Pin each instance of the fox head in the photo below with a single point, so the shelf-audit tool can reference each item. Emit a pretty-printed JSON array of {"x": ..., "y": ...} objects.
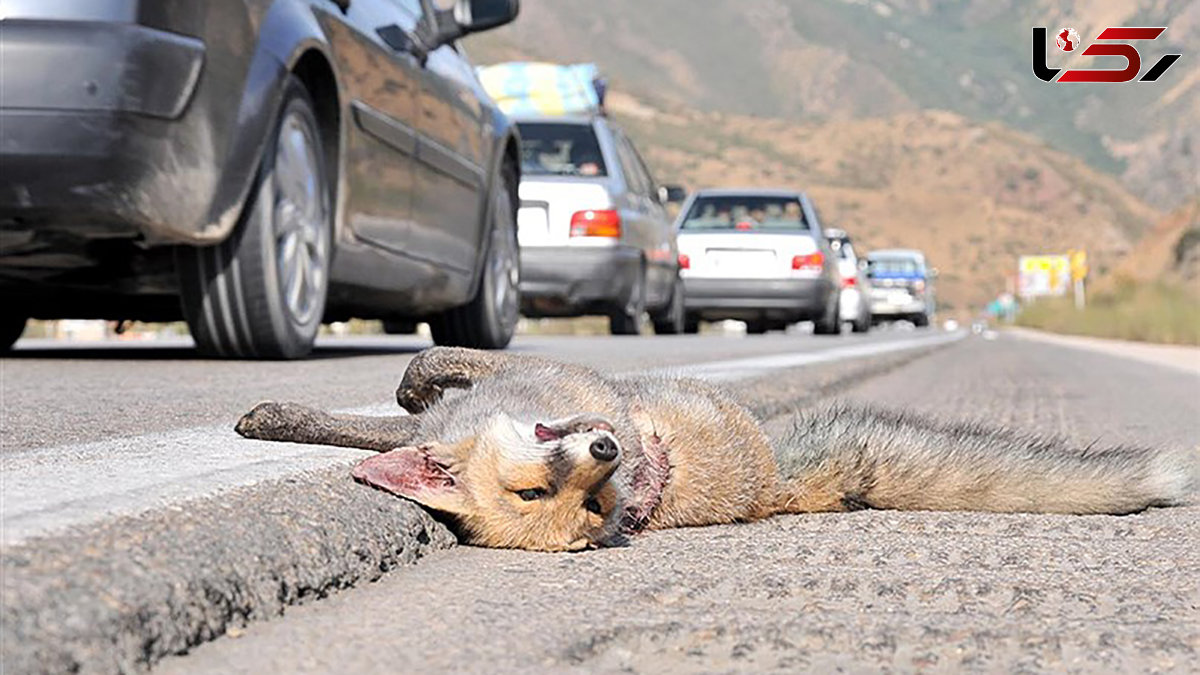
[{"x": 534, "y": 486}]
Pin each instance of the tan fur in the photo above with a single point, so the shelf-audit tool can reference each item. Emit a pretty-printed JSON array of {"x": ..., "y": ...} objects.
[{"x": 686, "y": 454}]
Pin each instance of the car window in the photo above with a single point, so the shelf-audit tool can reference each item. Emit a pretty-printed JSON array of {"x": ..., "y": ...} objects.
[
  {"x": 843, "y": 248},
  {"x": 649, "y": 177},
  {"x": 894, "y": 267},
  {"x": 560, "y": 149},
  {"x": 746, "y": 212},
  {"x": 414, "y": 7},
  {"x": 634, "y": 177}
]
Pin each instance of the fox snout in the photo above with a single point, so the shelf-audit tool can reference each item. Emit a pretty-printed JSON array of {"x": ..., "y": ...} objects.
[{"x": 604, "y": 448}]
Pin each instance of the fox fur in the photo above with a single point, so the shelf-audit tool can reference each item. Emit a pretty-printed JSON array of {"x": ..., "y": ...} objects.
[{"x": 541, "y": 455}]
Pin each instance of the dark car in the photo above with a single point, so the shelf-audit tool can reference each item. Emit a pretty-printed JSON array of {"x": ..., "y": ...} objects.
[
  {"x": 758, "y": 256},
  {"x": 255, "y": 167}
]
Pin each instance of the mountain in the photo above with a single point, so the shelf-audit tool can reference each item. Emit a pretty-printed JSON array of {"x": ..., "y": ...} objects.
[{"x": 835, "y": 60}]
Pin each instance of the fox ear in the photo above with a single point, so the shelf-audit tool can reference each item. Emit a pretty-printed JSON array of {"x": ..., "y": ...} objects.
[{"x": 425, "y": 474}]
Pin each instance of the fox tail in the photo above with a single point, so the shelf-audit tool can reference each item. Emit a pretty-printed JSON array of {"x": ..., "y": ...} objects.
[{"x": 848, "y": 457}]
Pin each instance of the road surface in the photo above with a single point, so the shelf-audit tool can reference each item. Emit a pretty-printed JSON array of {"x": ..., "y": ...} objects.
[{"x": 865, "y": 590}]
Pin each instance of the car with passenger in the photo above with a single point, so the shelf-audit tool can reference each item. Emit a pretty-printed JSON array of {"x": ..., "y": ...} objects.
[
  {"x": 256, "y": 168},
  {"x": 856, "y": 286},
  {"x": 758, "y": 256},
  {"x": 594, "y": 232},
  {"x": 901, "y": 286}
]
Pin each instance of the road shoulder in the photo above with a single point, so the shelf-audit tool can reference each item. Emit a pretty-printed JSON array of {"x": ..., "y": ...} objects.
[{"x": 1172, "y": 356}]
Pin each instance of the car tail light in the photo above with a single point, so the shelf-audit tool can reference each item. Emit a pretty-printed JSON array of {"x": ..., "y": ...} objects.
[
  {"x": 744, "y": 225},
  {"x": 685, "y": 262},
  {"x": 596, "y": 224},
  {"x": 849, "y": 282},
  {"x": 918, "y": 285},
  {"x": 811, "y": 262}
]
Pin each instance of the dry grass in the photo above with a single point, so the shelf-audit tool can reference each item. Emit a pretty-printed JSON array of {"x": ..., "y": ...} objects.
[{"x": 1148, "y": 312}]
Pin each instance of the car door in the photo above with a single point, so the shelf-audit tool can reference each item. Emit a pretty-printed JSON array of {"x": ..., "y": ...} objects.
[
  {"x": 381, "y": 84},
  {"x": 663, "y": 258},
  {"x": 452, "y": 154}
]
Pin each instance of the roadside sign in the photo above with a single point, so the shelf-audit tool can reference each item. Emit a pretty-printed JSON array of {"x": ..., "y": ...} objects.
[
  {"x": 1079, "y": 265},
  {"x": 1042, "y": 275}
]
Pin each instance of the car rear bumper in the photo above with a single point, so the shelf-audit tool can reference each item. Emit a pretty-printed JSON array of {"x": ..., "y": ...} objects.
[
  {"x": 90, "y": 129},
  {"x": 886, "y": 307},
  {"x": 786, "y": 299},
  {"x": 572, "y": 280}
]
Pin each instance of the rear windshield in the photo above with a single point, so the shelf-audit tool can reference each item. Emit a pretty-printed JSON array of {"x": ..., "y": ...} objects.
[
  {"x": 894, "y": 267},
  {"x": 745, "y": 212},
  {"x": 558, "y": 149}
]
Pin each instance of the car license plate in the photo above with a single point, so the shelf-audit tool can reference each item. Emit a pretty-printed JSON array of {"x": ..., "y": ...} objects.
[
  {"x": 898, "y": 298},
  {"x": 533, "y": 225}
]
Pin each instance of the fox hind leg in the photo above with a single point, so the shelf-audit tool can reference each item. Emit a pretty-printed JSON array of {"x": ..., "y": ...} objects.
[
  {"x": 437, "y": 369},
  {"x": 295, "y": 423}
]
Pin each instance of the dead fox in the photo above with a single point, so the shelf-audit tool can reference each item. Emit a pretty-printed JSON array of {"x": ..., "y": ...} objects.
[{"x": 547, "y": 456}]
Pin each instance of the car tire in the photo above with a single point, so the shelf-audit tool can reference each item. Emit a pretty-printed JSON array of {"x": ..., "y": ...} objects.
[
  {"x": 862, "y": 324},
  {"x": 629, "y": 319},
  {"x": 921, "y": 320},
  {"x": 831, "y": 322},
  {"x": 691, "y": 325},
  {"x": 261, "y": 293},
  {"x": 395, "y": 327},
  {"x": 671, "y": 320},
  {"x": 489, "y": 320},
  {"x": 757, "y": 327},
  {"x": 11, "y": 328}
]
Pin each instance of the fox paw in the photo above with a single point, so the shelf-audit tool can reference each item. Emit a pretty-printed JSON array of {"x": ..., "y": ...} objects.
[
  {"x": 418, "y": 399},
  {"x": 272, "y": 421}
]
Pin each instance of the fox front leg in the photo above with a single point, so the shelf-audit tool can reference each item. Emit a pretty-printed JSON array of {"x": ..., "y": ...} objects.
[
  {"x": 437, "y": 369},
  {"x": 295, "y": 423}
]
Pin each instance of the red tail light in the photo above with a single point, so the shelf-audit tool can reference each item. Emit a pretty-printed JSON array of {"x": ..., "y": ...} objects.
[
  {"x": 685, "y": 262},
  {"x": 744, "y": 225},
  {"x": 596, "y": 224},
  {"x": 810, "y": 262},
  {"x": 849, "y": 282}
]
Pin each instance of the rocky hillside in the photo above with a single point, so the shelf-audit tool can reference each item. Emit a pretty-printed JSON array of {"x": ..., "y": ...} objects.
[{"x": 834, "y": 60}]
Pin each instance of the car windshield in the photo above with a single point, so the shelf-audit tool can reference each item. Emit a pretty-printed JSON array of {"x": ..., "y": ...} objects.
[
  {"x": 894, "y": 267},
  {"x": 745, "y": 213},
  {"x": 558, "y": 149}
]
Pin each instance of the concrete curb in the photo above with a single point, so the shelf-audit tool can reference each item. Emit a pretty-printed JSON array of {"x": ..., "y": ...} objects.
[
  {"x": 1181, "y": 357},
  {"x": 120, "y": 595}
]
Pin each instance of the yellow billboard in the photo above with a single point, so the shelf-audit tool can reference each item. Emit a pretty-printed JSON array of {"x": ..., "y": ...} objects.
[{"x": 1041, "y": 275}]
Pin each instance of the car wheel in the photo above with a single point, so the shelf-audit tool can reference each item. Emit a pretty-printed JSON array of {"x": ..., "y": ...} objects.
[
  {"x": 11, "y": 328},
  {"x": 757, "y": 327},
  {"x": 691, "y": 325},
  {"x": 628, "y": 320},
  {"x": 490, "y": 319},
  {"x": 392, "y": 327},
  {"x": 831, "y": 323},
  {"x": 261, "y": 293},
  {"x": 671, "y": 321},
  {"x": 921, "y": 320},
  {"x": 862, "y": 324}
]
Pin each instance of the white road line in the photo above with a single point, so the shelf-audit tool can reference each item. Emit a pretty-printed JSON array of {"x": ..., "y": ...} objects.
[{"x": 44, "y": 490}]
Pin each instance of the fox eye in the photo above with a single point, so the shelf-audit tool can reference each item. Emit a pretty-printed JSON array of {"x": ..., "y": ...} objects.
[
  {"x": 593, "y": 505},
  {"x": 531, "y": 494}
]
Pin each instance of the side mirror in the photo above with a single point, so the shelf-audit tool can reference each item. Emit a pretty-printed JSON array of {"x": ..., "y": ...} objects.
[
  {"x": 472, "y": 16},
  {"x": 671, "y": 194}
]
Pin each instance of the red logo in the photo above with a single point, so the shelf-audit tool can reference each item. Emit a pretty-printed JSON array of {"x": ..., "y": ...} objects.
[
  {"x": 1067, "y": 40},
  {"x": 1115, "y": 43}
]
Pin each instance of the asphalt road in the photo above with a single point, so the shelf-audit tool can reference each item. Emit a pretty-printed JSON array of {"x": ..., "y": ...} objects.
[
  {"x": 90, "y": 434},
  {"x": 860, "y": 591}
]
